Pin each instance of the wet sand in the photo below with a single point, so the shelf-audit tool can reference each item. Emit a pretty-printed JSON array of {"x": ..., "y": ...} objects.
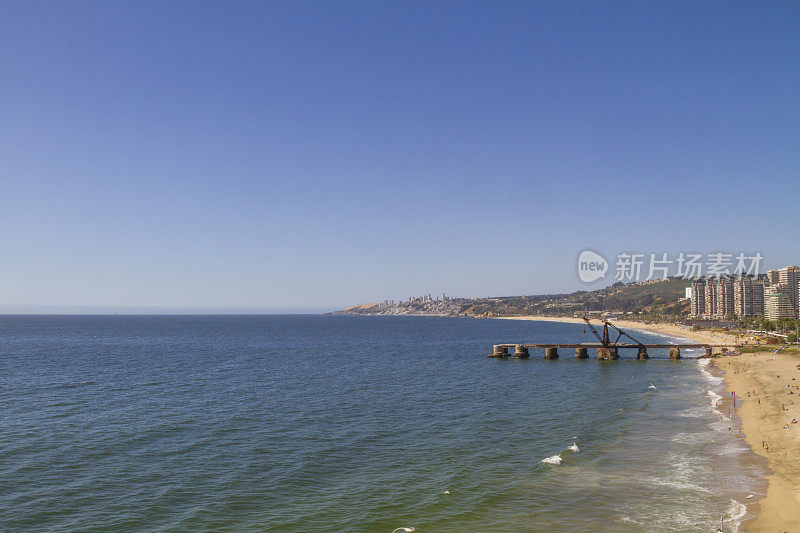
[{"x": 764, "y": 416}]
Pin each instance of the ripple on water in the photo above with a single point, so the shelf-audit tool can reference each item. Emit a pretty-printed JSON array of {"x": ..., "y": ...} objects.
[{"x": 349, "y": 423}]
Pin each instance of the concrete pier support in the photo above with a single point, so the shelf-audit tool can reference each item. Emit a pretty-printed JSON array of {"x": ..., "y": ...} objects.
[
  {"x": 642, "y": 353},
  {"x": 581, "y": 353},
  {"x": 499, "y": 351},
  {"x": 521, "y": 351},
  {"x": 607, "y": 353},
  {"x": 674, "y": 353},
  {"x": 709, "y": 351},
  {"x": 551, "y": 353}
]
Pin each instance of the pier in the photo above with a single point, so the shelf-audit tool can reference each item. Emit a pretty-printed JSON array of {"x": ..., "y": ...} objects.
[{"x": 606, "y": 349}]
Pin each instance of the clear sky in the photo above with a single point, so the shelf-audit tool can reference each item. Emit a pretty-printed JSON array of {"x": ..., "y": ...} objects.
[{"x": 292, "y": 156}]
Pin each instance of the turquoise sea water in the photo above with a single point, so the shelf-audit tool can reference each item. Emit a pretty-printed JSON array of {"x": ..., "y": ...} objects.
[{"x": 333, "y": 423}]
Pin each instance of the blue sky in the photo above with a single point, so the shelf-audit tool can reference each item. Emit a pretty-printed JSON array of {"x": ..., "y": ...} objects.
[{"x": 289, "y": 156}]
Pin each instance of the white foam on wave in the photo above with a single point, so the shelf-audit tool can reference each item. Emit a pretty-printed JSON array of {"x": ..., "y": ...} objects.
[
  {"x": 679, "y": 482},
  {"x": 715, "y": 398},
  {"x": 735, "y": 512},
  {"x": 702, "y": 364},
  {"x": 695, "y": 438},
  {"x": 553, "y": 460},
  {"x": 574, "y": 447},
  {"x": 652, "y": 387},
  {"x": 733, "y": 448},
  {"x": 693, "y": 412},
  {"x": 714, "y": 379}
]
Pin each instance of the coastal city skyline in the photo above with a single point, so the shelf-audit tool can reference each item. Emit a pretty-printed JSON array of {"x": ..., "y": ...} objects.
[{"x": 266, "y": 157}]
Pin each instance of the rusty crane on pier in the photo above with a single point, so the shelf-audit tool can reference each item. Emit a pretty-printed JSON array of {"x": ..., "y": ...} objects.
[{"x": 609, "y": 350}]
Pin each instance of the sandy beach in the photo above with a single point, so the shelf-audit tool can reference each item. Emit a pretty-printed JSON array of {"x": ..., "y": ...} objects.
[
  {"x": 767, "y": 392},
  {"x": 663, "y": 329}
]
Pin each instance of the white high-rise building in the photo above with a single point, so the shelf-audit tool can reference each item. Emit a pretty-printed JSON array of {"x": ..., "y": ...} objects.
[
  {"x": 698, "y": 304},
  {"x": 782, "y": 293}
]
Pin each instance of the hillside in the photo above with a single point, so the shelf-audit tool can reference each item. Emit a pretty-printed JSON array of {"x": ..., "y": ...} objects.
[{"x": 647, "y": 300}]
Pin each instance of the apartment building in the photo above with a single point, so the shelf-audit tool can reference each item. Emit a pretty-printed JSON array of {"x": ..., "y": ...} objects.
[
  {"x": 782, "y": 293},
  {"x": 718, "y": 298},
  {"x": 748, "y": 296},
  {"x": 698, "y": 298}
]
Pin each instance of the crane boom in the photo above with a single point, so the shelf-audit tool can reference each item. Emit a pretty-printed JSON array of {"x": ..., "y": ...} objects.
[
  {"x": 604, "y": 340},
  {"x": 621, "y": 333}
]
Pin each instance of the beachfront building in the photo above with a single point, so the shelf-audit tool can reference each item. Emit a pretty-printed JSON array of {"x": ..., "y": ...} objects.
[
  {"x": 710, "y": 292},
  {"x": 777, "y": 304},
  {"x": 698, "y": 295},
  {"x": 789, "y": 277},
  {"x": 719, "y": 298},
  {"x": 724, "y": 290},
  {"x": 712, "y": 298},
  {"x": 773, "y": 277},
  {"x": 781, "y": 293},
  {"x": 748, "y": 296},
  {"x": 774, "y": 295}
]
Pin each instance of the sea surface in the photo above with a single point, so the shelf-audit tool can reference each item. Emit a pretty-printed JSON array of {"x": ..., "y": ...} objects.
[{"x": 342, "y": 423}]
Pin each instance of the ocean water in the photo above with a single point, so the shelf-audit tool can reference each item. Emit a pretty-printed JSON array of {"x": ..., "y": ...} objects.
[{"x": 338, "y": 423}]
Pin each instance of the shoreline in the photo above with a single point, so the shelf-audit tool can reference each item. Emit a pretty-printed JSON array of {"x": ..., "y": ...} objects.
[
  {"x": 762, "y": 415},
  {"x": 766, "y": 405}
]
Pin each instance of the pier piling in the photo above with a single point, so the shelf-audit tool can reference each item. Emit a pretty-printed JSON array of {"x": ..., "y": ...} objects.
[
  {"x": 709, "y": 351},
  {"x": 581, "y": 353},
  {"x": 551, "y": 353},
  {"x": 521, "y": 351},
  {"x": 607, "y": 353},
  {"x": 500, "y": 351},
  {"x": 674, "y": 353},
  {"x": 642, "y": 353}
]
